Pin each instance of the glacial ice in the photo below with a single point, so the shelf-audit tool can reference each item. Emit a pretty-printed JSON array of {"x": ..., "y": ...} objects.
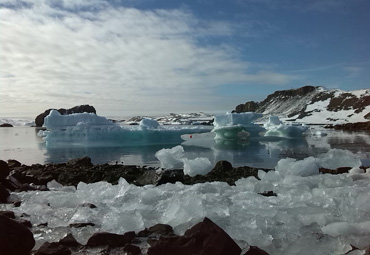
[
  {"x": 228, "y": 126},
  {"x": 175, "y": 158},
  {"x": 323, "y": 213},
  {"x": 88, "y": 129},
  {"x": 275, "y": 127}
]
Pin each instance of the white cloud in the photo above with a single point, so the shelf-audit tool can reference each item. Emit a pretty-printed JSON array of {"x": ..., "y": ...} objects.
[{"x": 113, "y": 58}]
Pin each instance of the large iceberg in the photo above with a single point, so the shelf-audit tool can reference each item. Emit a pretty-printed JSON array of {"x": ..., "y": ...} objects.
[
  {"x": 231, "y": 126},
  {"x": 90, "y": 129}
]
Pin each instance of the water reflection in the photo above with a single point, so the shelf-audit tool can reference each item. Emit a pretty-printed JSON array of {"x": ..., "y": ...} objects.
[{"x": 22, "y": 144}]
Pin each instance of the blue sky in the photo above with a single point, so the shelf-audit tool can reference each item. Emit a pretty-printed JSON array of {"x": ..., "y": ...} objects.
[{"x": 154, "y": 56}]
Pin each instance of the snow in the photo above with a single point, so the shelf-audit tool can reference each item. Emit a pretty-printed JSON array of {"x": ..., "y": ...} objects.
[
  {"x": 88, "y": 129},
  {"x": 321, "y": 212}
]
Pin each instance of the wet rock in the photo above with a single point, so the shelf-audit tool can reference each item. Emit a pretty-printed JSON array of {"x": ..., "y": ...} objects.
[
  {"x": 4, "y": 194},
  {"x": 13, "y": 163},
  {"x": 69, "y": 241},
  {"x": 204, "y": 238},
  {"x": 6, "y": 125},
  {"x": 89, "y": 205},
  {"x": 161, "y": 229},
  {"x": 254, "y": 250},
  {"x": 8, "y": 214},
  {"x": 81, "y": 225},
  {"x": 339, "y": 170},
  {"x": 15, "y": 239},
  {"x": 85, "y": 162},
  {"x": 131, "y": 249},
  {"x": 268, "y": 194},
  {"x": 112, "y": 240},
  {"x": 4, "y": 170},
  {"x": 53, "y": 249},
  {"x": 222, "y": 166}
]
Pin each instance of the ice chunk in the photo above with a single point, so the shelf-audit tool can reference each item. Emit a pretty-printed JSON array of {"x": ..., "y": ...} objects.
[
  {"x": 200, "y": 165},
  {"x": 274, "y": 127},
  {"x": 346, "y": 229},
  {"x": 148, "y": 124},
  {"x": 335, "y": 158},
  {"x": 230, "y": 125},
  {"x": 305, "y": 167},
  {"x": 171, "y": 158}
]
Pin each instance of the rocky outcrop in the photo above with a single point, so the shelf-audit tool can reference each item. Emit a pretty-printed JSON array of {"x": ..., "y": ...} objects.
[
  {"x": 39, "y": 121},
  {"x": 310, "y": 100},
  {"x": 6, "y": 125}
]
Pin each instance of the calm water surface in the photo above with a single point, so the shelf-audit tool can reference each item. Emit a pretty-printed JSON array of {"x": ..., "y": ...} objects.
[{"x": 23, "y": 144}]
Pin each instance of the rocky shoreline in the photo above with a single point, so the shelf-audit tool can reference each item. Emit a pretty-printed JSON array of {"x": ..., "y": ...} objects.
[{"x": 203, "y": 238}]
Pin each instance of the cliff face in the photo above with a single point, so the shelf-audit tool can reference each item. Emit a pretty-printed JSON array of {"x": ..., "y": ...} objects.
[{"x": 314, "y": 105}]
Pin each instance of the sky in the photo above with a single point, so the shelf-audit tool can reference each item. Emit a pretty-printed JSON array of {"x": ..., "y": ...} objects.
[{"x": 131, "y": 57}]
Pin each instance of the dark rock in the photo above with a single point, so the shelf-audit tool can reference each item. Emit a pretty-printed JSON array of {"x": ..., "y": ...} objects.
[
  {"x": 81, "y": 225},
  {"x": 170, "y": 176},
  {"x": 39, "y": 121},
  {"x": 161, "y": 229},
  {"x": 25, "y": 223},
  {"x": 6, "y": 125},
  {"x": 268, "y": 194},
  {"x": 89, "y": 205},
  {"x": 4, "y": 194},
  {"x": 15, "y": 239},
  {"x": 204, "y": 238},
  {"x": 222, "y": 166},
  {"x": 53, "y": 249},
  {"x": 17, "y": 203},
  {"x": 13, "y": 163},
  {"x": 4, "y": 170},
  {"x": 131, "y": 249},
  {"x": 339, "y": 170},
  {"x": 112, "y": 240},
  {"x": 85, "y": 162},
  {"x": 354, "y": 127},
  {"x": 69, "y": 241},
  {"x": 254, "y": 250},
  {"x": 8, "y": 214}
]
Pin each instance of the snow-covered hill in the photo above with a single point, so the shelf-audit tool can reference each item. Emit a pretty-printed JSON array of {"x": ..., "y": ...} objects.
[{"x": 315, "y": 105}]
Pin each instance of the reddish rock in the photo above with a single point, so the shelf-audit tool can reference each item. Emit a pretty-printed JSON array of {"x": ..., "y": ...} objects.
[{"x": 204, "y": 238}]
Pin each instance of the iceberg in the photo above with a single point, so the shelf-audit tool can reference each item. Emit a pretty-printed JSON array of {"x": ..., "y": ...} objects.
[
  {"x": 93, "y": 130},
  {"x": 231, "y": 126},
  {"x": 275, "y": 127}
]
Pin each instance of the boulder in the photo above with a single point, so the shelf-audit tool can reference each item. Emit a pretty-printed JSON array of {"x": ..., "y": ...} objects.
[
  {"x": 69, "y": 241},
  {"x": 15, "y": 239},
  {"x": 85, "y": 162},
  {"x": 254, "y": 250},
  {"x": 4, "y": 194},
  {"x": 39, "y": 120},
  {"x": 4, "y": 170},
  {"x": 112, "y": 240},
  {"x": 204, "y": 238},
  {"x": 53, "y": 249},
  {"x": 6, "y": 125}
]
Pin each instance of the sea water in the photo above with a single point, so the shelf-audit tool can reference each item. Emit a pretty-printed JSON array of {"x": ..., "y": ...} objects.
[{"x": 23, "y": 144}]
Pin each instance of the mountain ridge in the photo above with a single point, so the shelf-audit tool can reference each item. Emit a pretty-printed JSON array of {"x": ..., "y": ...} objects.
[{"x": 314, "y": 104}]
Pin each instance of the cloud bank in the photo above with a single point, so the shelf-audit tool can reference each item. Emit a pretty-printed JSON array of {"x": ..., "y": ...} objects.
[{"x": 119, "y": 59}]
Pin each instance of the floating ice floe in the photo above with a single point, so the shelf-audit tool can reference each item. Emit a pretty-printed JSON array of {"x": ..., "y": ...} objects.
[
  {"x": 90, "y": 129},
  {"x": 311, "y": 214},
  {"x": 275, "y": 127},
  {"x": 229, "y": 126}
]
